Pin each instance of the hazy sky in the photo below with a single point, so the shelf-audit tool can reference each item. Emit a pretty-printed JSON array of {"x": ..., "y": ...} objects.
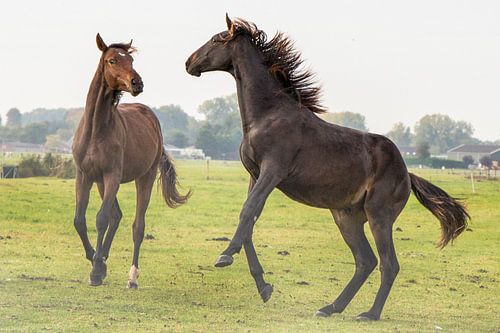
[{"x": 388, "y": 60}]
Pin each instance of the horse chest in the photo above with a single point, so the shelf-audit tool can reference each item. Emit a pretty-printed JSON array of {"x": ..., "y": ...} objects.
[{"x": 97, "y": 159}]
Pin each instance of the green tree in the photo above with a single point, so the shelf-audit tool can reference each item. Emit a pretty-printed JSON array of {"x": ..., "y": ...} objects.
[
  {"x": 207, "y": 141},
  {"x": 347, "y": 119},
  {"x": 13, "y": 118},
  {"x": 423, "y": 150},
  {"x": 442, "y": 132},
  {"x": 177, "y": 138},
  {"x": 221, "y": 110},
  {"x": 224, "y": 124},
  {"x": 34, "y": 133},
  {"x": 468, "y": 160},
  {"x": 172, "y": 117},
  {"x": 486, "y": 161},
  {"x": 400, "y": 134}
]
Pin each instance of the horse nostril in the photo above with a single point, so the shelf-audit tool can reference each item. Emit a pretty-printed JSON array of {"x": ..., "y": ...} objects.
[{"x": 134, "y": 82}]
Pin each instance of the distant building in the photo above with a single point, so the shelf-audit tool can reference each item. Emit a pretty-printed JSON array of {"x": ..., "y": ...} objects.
[
  {"x": 407, "y": 151},
  {"x": 185, "y": 153},
  {"x": 21, "y": 147},
  {"x": 476, "y": 151}
]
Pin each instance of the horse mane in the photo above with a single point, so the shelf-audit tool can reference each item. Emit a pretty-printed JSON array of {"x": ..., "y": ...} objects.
[
  {"x": 284, "y": 62},
  {"x": 127, "y": 47}
]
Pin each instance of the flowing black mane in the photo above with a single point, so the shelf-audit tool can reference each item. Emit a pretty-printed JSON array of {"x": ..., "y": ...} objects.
[{"x": 284, "y": 63}]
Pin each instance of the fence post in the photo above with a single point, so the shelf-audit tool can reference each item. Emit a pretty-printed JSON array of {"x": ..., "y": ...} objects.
[{"x": 472, "y": 181}]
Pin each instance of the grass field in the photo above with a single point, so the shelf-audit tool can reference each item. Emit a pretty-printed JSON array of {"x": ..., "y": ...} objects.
[{"x": 43, "y": 272}]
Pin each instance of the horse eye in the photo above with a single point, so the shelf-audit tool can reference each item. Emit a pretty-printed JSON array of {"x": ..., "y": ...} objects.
[
  {"x": 214, "y": 40},
  {"x": 112, "y": 61}
]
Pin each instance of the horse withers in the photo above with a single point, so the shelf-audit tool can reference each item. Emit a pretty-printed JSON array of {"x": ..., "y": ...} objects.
[
  {"x": 358, "y": 176},
  {"x": 114, "y": 144}
]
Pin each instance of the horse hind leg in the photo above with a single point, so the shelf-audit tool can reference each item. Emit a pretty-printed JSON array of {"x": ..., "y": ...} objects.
[
  {"x": 350, "y": 222},
  {"x": 82, "y": 200},
  {"x": 389, "y": 266},
  {"x": 382, "y": 210},
  {"x": 144, "y": 185}
]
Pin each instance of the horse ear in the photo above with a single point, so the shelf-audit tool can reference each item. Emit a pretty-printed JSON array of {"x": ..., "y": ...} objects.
[
  {"x": 100, "y": 43},
  {"x": 229, "y": 24},
  {"x": 129, "y": 45}
]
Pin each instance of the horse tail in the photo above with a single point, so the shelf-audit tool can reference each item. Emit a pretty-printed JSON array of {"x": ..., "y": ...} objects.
[
  {"x": 450, "y": 212},
  {"x": 169, "y": 182}
]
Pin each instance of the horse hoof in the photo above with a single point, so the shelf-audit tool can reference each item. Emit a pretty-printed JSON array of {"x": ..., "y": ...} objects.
[
  {"x": 325, "y": 311},
  {"x": 366, "y": 316},
  {"x": 266, "y": 292},
  {"x": 224, "y": 260},
  {"x": 321, "y": 314},
  {"x": 132, "y": 285}
]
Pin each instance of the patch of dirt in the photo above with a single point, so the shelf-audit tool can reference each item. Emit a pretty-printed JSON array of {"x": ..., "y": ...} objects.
[
  {"x": 35, "y": 278},
  {"x": 284, "y": 253},
  {"x": 149, "y": 237},
  {"x": 398, "y": 229},
  {"x": 303, "y": 283},
  {"x": 220, "y": 239}
]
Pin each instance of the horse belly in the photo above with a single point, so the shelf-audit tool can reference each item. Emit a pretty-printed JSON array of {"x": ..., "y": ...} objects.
[{"x": 330, "y": 196}]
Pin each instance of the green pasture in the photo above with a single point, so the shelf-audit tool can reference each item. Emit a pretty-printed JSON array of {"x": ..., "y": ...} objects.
[{"x": 43, "y": 271}]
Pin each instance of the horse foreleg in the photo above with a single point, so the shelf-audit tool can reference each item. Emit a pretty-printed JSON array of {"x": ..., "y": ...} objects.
[
  {"x": 111, "y": 185},
  {"x": 114, "y": 222},
  {"x": 268, "y": 179},
  {"x": 82, "y": 187},
  {"x": 265, "y": 289}
]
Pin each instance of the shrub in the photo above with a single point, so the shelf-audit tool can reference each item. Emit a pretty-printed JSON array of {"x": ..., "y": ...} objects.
[
  {"x": 32, "y": 166},
  {"x": 65, "y": 169},
  {"x": 50, "y": 165}
]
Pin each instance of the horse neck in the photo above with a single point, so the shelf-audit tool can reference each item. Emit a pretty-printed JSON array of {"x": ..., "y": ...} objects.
[
  {"x": 256, "y": 89},
  {"x": 99, "y": 107}
]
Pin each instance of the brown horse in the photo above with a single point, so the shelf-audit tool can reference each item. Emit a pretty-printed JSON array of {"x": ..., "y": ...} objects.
[
  {"x": 358, "y": 176},
  {"x": 114, "y": 144}
]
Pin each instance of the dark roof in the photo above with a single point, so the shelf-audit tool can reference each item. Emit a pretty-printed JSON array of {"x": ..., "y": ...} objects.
[
  {"x": 487, "y": 149},
  {"x": 407, "y": 149}
]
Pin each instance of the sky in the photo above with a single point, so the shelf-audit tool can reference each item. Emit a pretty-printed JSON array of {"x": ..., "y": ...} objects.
[{"x": 390, "y": 60}]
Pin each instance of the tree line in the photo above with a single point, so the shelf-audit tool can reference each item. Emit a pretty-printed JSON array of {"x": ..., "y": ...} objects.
[
  {"x": 434, "y": 133},
  {"x": 219, "y": 133}
]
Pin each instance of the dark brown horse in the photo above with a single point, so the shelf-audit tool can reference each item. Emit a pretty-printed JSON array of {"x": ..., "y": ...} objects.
[
  {"x": 114, "y": 144},
  {"x": 358, "y": 176}
]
